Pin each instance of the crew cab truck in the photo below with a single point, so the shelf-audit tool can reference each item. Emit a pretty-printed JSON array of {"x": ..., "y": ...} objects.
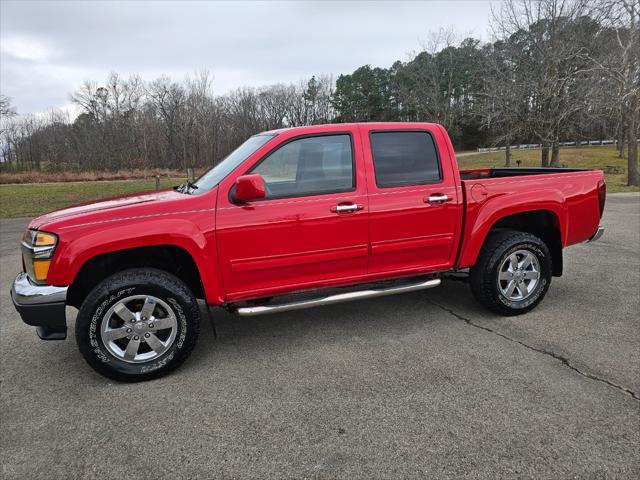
[{"x": 296, "y": 218}]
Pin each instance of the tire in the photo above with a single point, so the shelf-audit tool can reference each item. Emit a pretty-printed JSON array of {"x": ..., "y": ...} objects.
[
  {"x": 491, "y": 283},
  {"x": 104, "y": 329}
]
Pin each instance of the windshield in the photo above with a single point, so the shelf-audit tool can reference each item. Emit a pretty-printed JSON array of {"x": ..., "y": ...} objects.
[{"x": 214, "y": 176}]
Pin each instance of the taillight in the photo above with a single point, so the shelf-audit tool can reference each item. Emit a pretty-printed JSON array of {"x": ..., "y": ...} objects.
[{"x": 602, "y": 195}]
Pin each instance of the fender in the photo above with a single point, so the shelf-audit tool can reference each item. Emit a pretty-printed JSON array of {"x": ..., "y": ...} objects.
[
  {"x": 87, "y": 243},
  {"x": 483, "y": 216}
]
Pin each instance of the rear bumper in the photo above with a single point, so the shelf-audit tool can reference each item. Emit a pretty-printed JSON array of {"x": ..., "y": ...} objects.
[
  {"x": 41, "y": 306},
  {"x": 597, "y": 235}
]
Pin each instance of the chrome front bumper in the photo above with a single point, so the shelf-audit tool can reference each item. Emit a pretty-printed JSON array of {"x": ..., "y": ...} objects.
[
  {"x": 42, "y": 306},
  {"x": 597, "y": 235},
  {"x": 25, "y": 292}
]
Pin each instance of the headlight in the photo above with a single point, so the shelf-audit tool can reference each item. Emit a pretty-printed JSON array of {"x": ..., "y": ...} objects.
[{"x": 37, "y": 250}]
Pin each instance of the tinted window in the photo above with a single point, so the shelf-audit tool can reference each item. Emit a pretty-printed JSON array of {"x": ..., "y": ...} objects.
[
  {"x": 404, "y": 158},
  {"x": 309, "y": 166}
]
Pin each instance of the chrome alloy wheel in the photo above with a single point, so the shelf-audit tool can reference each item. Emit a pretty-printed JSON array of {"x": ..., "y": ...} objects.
[
  {"x": 139, "y": 329},
  {"x": 519, "y": 275}
]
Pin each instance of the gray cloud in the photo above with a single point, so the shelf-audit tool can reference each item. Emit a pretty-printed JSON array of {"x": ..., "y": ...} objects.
[{"x": 48, "y": 48}]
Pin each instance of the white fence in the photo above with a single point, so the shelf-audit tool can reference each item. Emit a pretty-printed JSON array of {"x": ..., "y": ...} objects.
[{"x": 530, "y": 146}]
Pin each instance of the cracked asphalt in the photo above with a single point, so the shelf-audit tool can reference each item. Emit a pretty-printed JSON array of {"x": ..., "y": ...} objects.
[{"x": 420, "y": 385}]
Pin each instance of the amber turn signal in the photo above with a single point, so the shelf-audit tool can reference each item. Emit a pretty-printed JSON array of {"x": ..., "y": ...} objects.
[
  {"x": 44, "y": 239},
  {"x": 41, "y": 270}
]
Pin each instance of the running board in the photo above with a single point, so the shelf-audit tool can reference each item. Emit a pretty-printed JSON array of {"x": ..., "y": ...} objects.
[{"x": 331, "y": 299}]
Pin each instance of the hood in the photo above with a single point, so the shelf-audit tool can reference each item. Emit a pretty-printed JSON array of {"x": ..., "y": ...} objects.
[{"x": 112, "y": 207}]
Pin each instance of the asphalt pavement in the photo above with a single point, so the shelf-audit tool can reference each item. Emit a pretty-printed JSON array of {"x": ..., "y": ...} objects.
[{"x": 420, "y": 385}]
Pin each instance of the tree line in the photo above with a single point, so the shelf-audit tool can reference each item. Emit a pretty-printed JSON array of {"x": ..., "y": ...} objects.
[
  {"x": 555, "y": 71},
  {"x": 127, "y": 123}
]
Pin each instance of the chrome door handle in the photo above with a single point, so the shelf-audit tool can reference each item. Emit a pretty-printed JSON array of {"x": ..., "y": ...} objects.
[
  {"x": 346, "y": 208},
  {"x": 437, "y": 199},
  {"x": 349, "y": 207}
]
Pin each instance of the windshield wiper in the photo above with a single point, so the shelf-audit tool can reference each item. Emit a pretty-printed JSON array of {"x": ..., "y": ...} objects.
[{"x": 186, "y": 187}]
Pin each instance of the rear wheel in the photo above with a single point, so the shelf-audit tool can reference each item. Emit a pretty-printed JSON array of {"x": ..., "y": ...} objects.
[
  {"x": 512, "y": 273},
  {"x": 137, "y": 325}
]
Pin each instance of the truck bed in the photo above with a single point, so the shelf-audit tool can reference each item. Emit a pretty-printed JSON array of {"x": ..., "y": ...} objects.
[
  {"x": 569, "y": 197},
  {"x": 476, "y": 174}
]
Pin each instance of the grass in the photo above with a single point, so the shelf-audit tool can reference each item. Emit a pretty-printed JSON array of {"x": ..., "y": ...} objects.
[
  {"x": 33, "y": 176},
  {"x": 33, "y": 199},
  {"x": 586, "y": 157}
]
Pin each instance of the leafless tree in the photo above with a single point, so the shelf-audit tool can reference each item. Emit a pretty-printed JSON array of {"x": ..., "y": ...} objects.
[
  {"x": 555, "y": 70},
  {"x": 6, "y": 111},
  {"x": 620, "y": 64},
  {"x": 550, "y": 39},
  {"x": 503, "y": 106}
]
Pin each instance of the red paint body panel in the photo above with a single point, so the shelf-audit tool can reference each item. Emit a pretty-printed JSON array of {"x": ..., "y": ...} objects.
[
  {"x": 285, "y": 242},
  {"x": 407, "y": 232},
  {"x": 572, "y": 198},
  {"x": 282, "y": 245},
  {"x": 157, "y": 218}
]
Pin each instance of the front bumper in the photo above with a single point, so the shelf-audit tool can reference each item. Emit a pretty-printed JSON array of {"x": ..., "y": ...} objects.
[
  {"x": 42, "y": 306},
  {"x": 597, "y": 235}
]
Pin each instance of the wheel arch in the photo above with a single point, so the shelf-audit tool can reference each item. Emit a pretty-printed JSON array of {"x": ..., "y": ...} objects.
[
  {"x": 173, "y": 238},
  {"x": 169, "y": 258},
  {"x": 545, "y": 223}
]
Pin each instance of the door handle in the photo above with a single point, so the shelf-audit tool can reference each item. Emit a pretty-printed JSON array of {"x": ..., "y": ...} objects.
[
  {"x": 347, "y": 208},
  {"x": 437, "y": 198}
]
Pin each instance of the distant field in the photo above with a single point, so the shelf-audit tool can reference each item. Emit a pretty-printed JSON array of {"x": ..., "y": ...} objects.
[
  {"x": 45, "y": 176},
  {"x": 35, "y": 199},
  {"x": 586, "y": 157}
]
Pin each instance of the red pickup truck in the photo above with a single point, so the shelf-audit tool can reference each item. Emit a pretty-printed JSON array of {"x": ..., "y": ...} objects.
[{"x": 296, "y": 218}]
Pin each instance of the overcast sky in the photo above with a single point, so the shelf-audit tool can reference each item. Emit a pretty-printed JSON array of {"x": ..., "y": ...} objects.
[{"x": 48, "y": 48}]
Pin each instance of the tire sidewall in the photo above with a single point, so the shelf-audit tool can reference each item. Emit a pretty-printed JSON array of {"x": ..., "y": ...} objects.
[
  {"x": 96, "y": 306},
  {"x": 544, "y": 259}
]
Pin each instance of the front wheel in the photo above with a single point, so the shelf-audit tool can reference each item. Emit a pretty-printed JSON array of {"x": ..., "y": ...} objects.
[
  {"x": 512, "y": 273},
  {"x": 138, "y": 325}
]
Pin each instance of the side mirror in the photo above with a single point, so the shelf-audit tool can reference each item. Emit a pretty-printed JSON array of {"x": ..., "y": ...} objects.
[{"x": 249, "y": 187}]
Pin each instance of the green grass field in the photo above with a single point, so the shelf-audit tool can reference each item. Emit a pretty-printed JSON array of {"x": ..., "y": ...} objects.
[
  {"x": 35, "y": 199},
  {"x": 586, "y": 157}
]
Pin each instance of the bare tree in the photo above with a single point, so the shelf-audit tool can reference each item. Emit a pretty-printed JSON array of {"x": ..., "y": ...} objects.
[
  {"x": 503, "y": 106},
  {"x": 310, "y": 102},
  {"x": 550, "y": 38},
  {"x": 6, "y": 111},
  {"x": 428, "y": 83},
  {"x": 620, "y": 63},
  {"x": 553, "y": 72}
]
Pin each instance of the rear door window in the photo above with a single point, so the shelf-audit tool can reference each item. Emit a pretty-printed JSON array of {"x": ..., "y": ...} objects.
[{"x": 404, "y": 158}]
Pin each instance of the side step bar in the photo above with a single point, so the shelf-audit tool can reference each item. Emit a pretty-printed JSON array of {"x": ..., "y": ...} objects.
[{"x": 331, "y": 299}]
